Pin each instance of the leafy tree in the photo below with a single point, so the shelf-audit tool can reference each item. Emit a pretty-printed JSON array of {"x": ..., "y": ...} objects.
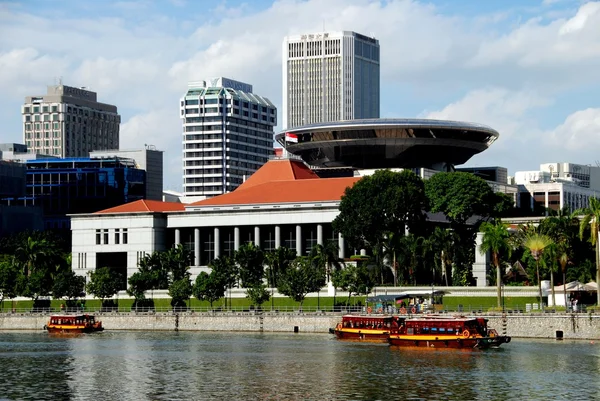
[
  {"x": 326, "y": 256},
  {"x": 68, "y": 284},
  {"x": 140, "y": 282},
  {"x": 258, "y": 294},
  {"x": 278, "y": 261},
  {"x": 410, "y": 246},
  {"x": 591, "y": 217},
  {"x": 103, "y": 283},
  {"x": 300, "y": 279},
  {"x": 354, "y": 278},
  {"x": 463, "y": 198},
  {"x": 177, "y": 261},
  {"x": 9, "y": 274},
  {"x": 379, "y": 205},
  {"x": 536, "y": 243},
  {"x": 495, "y": 240},
  {"x": 250, "y": 259},
  {"x": 180, "y": 292},
  {"x": 209, "y": 287},
  {"x": 227, "y": 271}
]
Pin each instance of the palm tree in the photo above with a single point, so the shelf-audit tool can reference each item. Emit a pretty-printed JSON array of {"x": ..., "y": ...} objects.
[
  {"x": 495, "y": 240},
  {"x": 563, "y": 259},
  {"x": 411, "y": 245},
  {"x": 536, "y": 243},
  {"x": 391, "y": 247},
  {"x": 591, "y": 217},
  {"x": 444, "y": 244}
]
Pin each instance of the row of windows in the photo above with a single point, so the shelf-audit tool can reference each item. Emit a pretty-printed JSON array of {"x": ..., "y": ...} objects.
[
  {"x": 235, "y": 102},
  {"x": 120, "y": 236},
  {"x": 46, "y": 134},
  {"x": 73, "y": 110}
]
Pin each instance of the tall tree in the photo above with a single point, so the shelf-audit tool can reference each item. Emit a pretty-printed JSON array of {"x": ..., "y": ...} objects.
[
  {"x": 326, "y": 256},
  {"x": 495, "y": 240},
  {"x": 209, "y": 287},
  {"x": 250, "y": 259},
  {"x": 9, "y": 274},
  {"x": 103, "y": 283},
  {"x": 536, "y": 243},
  {"x": 302, "y": 277},
  {"x": 378, "y": 205},
  {"x": 591, "y": 216},
  {"x": 68, "y": 284},
  {"x": 466, "y": 200},
  {"x": 226, "y": 270}
]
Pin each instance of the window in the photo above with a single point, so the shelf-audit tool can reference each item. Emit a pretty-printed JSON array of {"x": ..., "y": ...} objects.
[
  {"x": 105, "y": 232},
  {"x": 117, "y": 236},
  {"x": 98, "y": 237},
  {"x": 54, "y": 109},
  {"x": 36, "y": 109},
  {"x": 45, "y": 109},
  {"x": 125, "y": 236}
]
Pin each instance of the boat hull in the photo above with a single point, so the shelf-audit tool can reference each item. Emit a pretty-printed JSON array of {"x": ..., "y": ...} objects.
[
  {"x": 447, "y": 341},
  {"x": 73, "y": 330},
  {"x": 380, "y": 336}
]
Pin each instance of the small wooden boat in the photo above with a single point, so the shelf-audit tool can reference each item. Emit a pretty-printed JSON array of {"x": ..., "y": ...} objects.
[
  {"x": 73, "y": 324},
  {"x": 446, "y": 332},
  {"x": 374, "y": 328}
]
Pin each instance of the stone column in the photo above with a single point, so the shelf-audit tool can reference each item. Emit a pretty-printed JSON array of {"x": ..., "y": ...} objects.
[
  {"x": 217, "y": 243},
  {"x": 480, "y": 267},
  {"x": 236, "y": 238},
  {"x": 341, "y": 253},
  {"x": 320, "y": 234},
  {"x": 299, "y": 240},
  {"x": 196, "y": 247},
  {"x": 277, "y": 237},
  {"x": 257, "y": 236},
  {"x": 177, "y": 236}
]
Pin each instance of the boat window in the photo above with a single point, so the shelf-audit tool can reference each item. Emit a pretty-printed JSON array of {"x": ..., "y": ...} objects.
[
  {"x": 426, "y": 329},
  {"x": 410, "y": 330},
  {"x": 434, "y": 329},
  {"x": 442, "y": 329}
]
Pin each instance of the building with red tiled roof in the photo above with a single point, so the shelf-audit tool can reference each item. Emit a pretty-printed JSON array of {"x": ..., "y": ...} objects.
[{"x": 283, "y": 204}]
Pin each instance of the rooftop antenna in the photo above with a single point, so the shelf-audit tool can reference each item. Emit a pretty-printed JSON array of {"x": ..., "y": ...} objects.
[{"x": 60, "y": 81}]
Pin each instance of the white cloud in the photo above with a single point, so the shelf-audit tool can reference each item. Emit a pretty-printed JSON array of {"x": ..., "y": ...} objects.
[
  {"x": 141, "y": 59},
  {"x": 504, "y": 110},
  {"x": 579, "y": 132}
]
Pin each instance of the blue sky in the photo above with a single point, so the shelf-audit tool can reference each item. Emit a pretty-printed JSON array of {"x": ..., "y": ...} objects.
[{"x": 526, "y": 68}]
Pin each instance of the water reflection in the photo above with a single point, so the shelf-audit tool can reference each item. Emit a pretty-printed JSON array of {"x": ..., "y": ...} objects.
[{"x": 217, "y": 366}]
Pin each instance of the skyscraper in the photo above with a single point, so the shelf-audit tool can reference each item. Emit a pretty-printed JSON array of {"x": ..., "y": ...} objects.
[
  {"x": 69, "y": 122},
  {"x": 329, "y": 76},
  {"x": 227, "y": 135}
]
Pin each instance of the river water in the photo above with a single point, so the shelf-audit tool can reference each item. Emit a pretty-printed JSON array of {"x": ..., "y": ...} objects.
[{"x": 254, "y": 366}]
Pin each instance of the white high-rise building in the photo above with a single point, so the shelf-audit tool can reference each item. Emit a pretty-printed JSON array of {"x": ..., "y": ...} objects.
[
  {"x": 227, "y": 135},
  {"x": 69, "y": 122},
  {"x": 329, "y": 76}
]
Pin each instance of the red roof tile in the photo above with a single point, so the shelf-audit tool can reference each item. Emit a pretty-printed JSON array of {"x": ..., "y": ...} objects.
[
  {"x": 144, "y": 205},
  {"x": 279, "y": 170},
  {"x": 290, "y": 191}
]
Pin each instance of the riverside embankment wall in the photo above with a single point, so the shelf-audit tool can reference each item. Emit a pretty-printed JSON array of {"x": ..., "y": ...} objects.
[{"x": 580, "y": 326}]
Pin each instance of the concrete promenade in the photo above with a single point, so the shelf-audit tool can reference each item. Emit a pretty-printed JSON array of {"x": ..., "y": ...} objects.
[{"x": 580, "y": 326}]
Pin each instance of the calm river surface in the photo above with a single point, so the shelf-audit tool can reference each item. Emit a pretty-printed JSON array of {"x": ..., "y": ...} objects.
[{"x": 253, "y": 366}]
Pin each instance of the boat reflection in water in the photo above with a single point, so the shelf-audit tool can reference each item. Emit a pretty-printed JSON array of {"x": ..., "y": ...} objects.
[{"x": 434, "y": 331}]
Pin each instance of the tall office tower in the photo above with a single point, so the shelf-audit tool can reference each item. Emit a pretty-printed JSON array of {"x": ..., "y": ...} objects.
[
  {"x": 329, "y": 76},
  {"x": 69, "y": 122},
  {"x": 227, "y": 135}
]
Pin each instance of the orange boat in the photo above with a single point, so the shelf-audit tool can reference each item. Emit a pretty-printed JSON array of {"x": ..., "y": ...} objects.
[
  {"x": 73, "y": 324},
  {"x": 374, "y": 328},
  {"x": 446, "y": 332}
]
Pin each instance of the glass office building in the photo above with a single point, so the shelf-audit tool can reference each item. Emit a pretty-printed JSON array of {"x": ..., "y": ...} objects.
[{"x": 79, "y": 185}]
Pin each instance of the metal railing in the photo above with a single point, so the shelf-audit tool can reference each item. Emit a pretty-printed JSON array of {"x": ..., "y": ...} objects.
[{"x": 337, "y": 310}]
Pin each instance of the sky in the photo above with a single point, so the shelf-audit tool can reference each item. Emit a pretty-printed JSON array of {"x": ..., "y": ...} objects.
[{"x": 527, "y": 68}]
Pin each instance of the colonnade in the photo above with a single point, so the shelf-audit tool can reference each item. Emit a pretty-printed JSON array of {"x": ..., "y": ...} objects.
[{"x": 256, "y": 240}]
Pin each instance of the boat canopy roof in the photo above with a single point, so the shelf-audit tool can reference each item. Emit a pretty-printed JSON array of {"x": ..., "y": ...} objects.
[{"x": 404, "y": 295}]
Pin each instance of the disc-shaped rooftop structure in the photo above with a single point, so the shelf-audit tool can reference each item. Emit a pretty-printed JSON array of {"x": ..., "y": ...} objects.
[{"x": 387, "y": 143}]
